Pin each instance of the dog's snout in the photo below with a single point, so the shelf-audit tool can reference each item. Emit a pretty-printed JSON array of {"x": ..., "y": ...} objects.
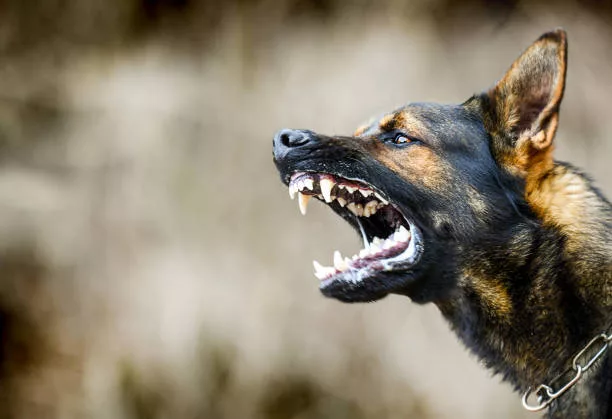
[{"x": 287, "y": 139}]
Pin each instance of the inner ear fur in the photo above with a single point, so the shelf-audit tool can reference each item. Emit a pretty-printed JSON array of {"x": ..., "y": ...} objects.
[{"x": 522, "y": 109}]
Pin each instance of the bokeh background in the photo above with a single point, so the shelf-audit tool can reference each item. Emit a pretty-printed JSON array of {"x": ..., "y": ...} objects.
[{"x": 151, "y": 263}]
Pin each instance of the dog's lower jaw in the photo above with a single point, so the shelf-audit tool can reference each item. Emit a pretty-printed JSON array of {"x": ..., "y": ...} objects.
[{"x": 526, "y": 322}]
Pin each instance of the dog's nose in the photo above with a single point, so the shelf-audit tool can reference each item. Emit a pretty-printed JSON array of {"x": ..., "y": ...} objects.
[{"x": 287, "y": 139}]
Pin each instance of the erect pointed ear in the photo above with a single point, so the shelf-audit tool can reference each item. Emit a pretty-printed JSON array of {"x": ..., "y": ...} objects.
[{"x": 522, "y": 110}]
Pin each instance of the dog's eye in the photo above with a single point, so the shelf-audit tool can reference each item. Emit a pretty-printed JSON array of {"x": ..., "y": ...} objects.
[{"x": 402, "y": 139}]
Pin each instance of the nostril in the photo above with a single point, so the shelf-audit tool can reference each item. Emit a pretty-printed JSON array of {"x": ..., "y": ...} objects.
[{"x": 285, "y": 139}]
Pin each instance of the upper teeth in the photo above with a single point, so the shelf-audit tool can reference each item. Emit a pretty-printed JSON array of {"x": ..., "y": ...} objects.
[
  {"x": 326, "y": 188},
  {"x": 303, "y": 202},
  {"x": 326, "y": 185}
]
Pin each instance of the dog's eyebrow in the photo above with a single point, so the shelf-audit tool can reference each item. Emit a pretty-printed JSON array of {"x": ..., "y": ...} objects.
[
  {"x": 409, "y": 122},
  {"x": 388, "y": 122}
]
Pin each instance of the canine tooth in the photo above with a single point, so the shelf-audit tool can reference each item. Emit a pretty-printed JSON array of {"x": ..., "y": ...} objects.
[
  {"x": 326, "y": 188},
  {"x": 341, "y": 201},
  {"x": 338, "y": 261},
  {"x": 365, "y": 192},
  {"x": 341, "y": 264},
  {"x": 303, "y": 202},
  {"x": 309, "y": 183},
  {"x": 292, "y": 190}
]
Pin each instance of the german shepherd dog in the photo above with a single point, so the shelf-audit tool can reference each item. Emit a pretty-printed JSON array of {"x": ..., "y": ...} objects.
[{"x": 465, "y": 207}]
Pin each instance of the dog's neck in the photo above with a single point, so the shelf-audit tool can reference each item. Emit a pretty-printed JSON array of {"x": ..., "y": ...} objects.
[{"x": 505, "y": 285}]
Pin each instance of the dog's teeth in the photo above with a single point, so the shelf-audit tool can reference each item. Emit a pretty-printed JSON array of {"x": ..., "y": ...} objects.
[
  {"x": 337, "y": 258},
  {"x": 322, "y": 272},
  {"x": 326, "y": 188},
  {"x": 381, "y": 199},
  {"x": 365, "y": 192},
  {"x": 374, "y": 248},
  {"x": 370, "y": 207},
  {"x": 350, "y": 189},
  {"x": 300, "y": 185},
  {"x": 378, "y": 241},
  {"x": 347, "y": 261},
  {"x": 339, "y": 263},
  {"x": 341, "y": 201},
  {"x": 341, "y": 186},
  {"x": 359, "y": 210},
  {"x": 319, "y": 269},
  {"x": 292, "y": 190},
  {"x": 388, "y": 244},
  {"x": 303, "y": 202},
  {"x": 402, "y": 234},
  {"x": 309, "y": 183},
  {"x": 352, "y": 207},
  {"x": 363, "y": 253}
]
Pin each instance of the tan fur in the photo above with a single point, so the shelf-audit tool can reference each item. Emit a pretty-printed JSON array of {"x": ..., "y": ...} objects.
[
  {"x": 411, "y": 124},
  {"x": 493, "y": 294},
  {"x": 418, "y": 165}
]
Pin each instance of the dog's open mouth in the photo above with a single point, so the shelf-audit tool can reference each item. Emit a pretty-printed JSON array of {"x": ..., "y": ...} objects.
[{"x": 391, "y": 241}]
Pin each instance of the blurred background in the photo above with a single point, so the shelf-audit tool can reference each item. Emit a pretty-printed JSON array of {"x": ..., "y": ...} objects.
[{"x": 152, "y": 264}]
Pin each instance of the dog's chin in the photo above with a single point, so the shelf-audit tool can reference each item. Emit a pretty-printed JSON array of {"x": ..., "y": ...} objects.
[
  {"x": 348, "y": 289},
  {"x": 392, "y": 242}
]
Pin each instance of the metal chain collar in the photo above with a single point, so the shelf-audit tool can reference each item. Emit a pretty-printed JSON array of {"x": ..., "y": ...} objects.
[{"x": 546, "y": 394}]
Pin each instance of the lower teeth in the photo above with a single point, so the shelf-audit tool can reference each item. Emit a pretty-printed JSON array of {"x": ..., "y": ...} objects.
[{"x": 400, "y": 236}]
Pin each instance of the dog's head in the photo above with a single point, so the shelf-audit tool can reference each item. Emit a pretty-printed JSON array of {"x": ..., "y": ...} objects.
[{"x": 425, "y": 183}]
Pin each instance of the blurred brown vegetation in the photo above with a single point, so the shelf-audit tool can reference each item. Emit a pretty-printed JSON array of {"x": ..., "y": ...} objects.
[{"x": 152, "y": 265}]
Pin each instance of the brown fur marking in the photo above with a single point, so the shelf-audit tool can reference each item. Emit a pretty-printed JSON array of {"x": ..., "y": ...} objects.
[
  {"x": 494, "y": 294},
  {"x": 419, "y": 165},
  {"x": 410, "y": 124}
]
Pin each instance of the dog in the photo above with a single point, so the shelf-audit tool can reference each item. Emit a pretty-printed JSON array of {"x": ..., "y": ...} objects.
[{"x": 464, "y": 206}]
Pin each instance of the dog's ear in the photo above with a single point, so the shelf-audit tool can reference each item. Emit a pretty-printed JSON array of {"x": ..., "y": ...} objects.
[{"x": 522, "y": 109}]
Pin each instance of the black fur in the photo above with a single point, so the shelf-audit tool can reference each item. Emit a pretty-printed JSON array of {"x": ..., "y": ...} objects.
[{"x": 517, "y": 247}]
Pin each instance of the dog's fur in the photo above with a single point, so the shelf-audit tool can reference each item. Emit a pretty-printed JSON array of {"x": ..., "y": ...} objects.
[{"x": 517, "y": 246}]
